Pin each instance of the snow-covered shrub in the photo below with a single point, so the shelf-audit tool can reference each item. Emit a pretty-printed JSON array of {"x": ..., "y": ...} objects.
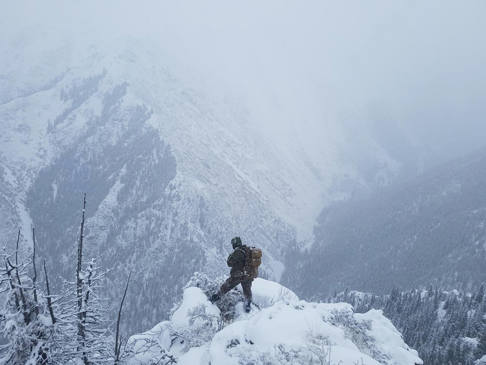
[
  {"x": 228, "y": 302},
  {"x": 66, "y": 346},
  {"x": 196, "y": 320},
  {"x": 320, "y": 347},
  {"x": 192, "y": 324},
  {"x": 24, "y": 320},
  {"x": 26, "y": 339},
  {"x": 356, "y": 331}
]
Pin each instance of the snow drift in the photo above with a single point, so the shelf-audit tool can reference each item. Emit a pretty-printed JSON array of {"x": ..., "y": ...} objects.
[{"x": 281, "y": 329}]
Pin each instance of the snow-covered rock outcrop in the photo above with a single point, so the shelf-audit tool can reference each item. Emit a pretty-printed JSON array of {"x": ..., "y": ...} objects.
[{"x": 281, "y": 329}]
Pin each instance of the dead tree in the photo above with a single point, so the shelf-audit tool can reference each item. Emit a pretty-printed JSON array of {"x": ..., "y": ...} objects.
[
  {"x": 8, "y": 273},
  {"x": 28, "y": 334},
  {"x": 118, "y": 342},
  {"x": 79, "y": 287},
  {"x": 49, "y": 296},
  {"x": 84, "y": 313},
  {"x": 18, "y": 285},
  {"x": 34, "y": 276}
]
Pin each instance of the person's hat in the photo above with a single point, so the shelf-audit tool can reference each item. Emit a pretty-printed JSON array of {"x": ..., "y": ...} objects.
[{"x": 235, "y": 242}]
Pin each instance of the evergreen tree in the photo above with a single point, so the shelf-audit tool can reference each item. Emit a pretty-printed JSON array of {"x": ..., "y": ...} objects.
[{"x": 442, "y": 326}]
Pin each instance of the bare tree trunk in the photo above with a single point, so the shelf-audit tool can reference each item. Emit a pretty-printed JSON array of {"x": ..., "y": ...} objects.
[
  {"x": 79, "y": 288},
  {"x": 41, "y": 352},
  {"x": 90, "y": 275},
  {"x": 12, "y": 285},
  {"x": 49, "y": 300},
  {"x": 19, "y": 283},
  {"x": 117, "y": 335},
  {"x": 86, "y": 299},
  {"x": 34, "y": 277}
]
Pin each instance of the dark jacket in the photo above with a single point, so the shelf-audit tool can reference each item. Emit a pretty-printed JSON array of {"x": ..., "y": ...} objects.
[{"x": 237, "y": 259}]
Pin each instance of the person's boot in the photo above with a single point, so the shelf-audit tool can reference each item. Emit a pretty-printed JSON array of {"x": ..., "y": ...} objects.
[
  {"x": 247, "y": 306},
  {"x": 215, "y": 297}
]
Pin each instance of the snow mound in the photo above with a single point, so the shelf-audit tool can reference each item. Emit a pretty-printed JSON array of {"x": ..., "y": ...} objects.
[
  {"x": 481, "y": 361},
  {"x": 284, "y": 330}
]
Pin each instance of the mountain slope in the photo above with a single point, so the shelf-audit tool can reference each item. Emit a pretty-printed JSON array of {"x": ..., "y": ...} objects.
[
  {"x": 170, "y": 174},
  {"x": 161, "y": 199},
  {"x": 431, "y": 230},
  {"x": 284, "y": 330}
]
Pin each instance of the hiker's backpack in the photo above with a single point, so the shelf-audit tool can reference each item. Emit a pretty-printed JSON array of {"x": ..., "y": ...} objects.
[{"x": 253, "y": 261}]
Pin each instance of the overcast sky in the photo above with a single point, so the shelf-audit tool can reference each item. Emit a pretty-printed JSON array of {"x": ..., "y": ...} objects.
[{"x": 411, "y": 70}]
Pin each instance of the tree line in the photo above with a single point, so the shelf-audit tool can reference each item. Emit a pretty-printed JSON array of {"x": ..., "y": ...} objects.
[{"x": 445, "y": 327}]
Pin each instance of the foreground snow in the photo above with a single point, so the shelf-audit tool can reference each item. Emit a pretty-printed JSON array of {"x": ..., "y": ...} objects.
[{"x": 285, "y": 330}]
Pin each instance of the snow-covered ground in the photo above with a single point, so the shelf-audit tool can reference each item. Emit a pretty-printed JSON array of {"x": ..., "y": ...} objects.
[
  {"x": 280, "y": 329},
  {"x": 481, "y": 361}
]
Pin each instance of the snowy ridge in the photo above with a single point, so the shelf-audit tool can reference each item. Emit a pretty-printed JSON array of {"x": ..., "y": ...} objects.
[
  {"x": 163, "y": 170},
  {"x": 171, "y": 173},
  {"x": 285, "y": 330}
]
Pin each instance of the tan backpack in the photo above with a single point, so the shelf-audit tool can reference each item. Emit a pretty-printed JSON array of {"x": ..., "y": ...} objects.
[{"x": 253, "y": 261}]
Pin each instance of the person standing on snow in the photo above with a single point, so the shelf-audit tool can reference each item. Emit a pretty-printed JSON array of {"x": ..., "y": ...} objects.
[{"x": 244, "y": 262}]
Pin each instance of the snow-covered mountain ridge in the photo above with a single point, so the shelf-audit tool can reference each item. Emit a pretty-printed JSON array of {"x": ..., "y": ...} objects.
[
  {"x": 283, "y": 330},
  {"x": 171, "y": 174}
]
